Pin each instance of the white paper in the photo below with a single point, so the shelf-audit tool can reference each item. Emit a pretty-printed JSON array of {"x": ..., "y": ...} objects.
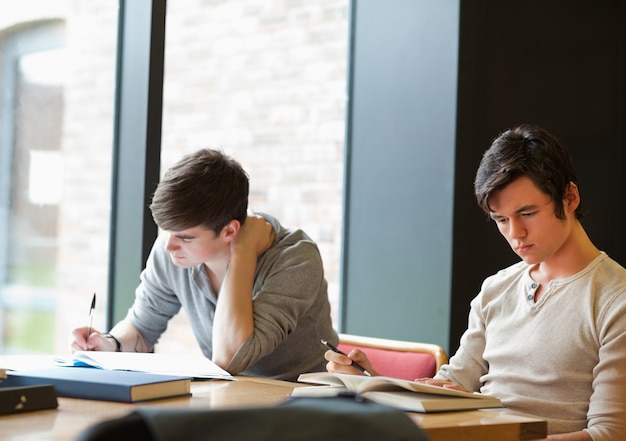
[{"x": 196, "y": 366}]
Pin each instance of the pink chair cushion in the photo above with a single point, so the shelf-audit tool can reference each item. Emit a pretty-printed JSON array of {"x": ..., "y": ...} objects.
[{"x": 406, "y": 365}]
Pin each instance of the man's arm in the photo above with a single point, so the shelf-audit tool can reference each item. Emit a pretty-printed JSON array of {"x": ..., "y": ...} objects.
[
  {"x": 129, "y": 338},
  {"x": 234, "y": 319}
]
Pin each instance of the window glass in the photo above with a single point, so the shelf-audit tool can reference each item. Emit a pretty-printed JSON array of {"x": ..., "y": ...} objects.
[
  {"x": 264, "y": 81},
  {"x": 57, "y": 72}
]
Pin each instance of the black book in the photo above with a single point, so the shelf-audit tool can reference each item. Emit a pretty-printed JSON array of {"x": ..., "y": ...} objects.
[{"x": 27, "y": 398}]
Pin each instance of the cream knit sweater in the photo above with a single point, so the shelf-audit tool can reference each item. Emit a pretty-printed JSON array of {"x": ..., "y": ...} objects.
[{"x": 562, "y": 358}]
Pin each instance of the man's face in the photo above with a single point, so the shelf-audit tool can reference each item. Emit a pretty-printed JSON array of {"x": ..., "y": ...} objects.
[
  {"x": 525, "y": 217},
  {"x": 196, "y": 245}
]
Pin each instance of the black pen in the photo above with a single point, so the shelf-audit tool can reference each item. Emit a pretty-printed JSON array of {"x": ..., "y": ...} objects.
[
  {"x": 355, "y": 364},
  {"x": 91, "y": 308}
]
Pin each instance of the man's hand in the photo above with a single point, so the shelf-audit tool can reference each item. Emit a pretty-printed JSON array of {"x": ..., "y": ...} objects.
[
  {"x": 92, "y": 342},
  {"x": 441, "y": 383},
  {"x": 340, "y": 363},
  {"x": 256, "y": 234},
  {"x": 129, "y": 337}
]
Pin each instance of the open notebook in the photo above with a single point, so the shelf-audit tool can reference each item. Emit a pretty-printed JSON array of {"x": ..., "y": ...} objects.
[{"x": 196, "y": 366}]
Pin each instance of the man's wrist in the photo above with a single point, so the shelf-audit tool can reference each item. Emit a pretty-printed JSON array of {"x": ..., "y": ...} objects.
[{"x": 118, "y": 345}]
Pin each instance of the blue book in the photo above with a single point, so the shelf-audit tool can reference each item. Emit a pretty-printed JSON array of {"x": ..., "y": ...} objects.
[{"x": 100, "y": 384}]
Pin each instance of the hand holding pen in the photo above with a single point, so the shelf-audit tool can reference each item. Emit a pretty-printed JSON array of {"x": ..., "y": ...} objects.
[{"x": 354, "y": 364}]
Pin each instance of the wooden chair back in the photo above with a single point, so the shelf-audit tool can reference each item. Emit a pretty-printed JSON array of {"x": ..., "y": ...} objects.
[{"x": 397, "y": 358}]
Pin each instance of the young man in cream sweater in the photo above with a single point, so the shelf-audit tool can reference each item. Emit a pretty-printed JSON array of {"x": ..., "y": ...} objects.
[{"x": 546, "y": 335}]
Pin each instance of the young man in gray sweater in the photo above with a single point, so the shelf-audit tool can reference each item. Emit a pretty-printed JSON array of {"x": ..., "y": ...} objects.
[{"x": 253, "y": 290}]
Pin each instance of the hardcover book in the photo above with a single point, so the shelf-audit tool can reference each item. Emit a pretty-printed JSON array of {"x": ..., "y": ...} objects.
[
  {"x": 26, "y": 398},
  {"x": 99, "y": 384},
  {"x": 403, "y": 394}
]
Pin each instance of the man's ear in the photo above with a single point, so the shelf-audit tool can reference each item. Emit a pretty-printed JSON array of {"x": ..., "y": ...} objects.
[
  {"x": 229, "y": 232},
  {"x": 572, "y": 197}
]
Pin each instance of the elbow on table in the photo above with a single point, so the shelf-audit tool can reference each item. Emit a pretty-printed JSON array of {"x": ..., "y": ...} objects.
[{"x": 223, "y": 356}]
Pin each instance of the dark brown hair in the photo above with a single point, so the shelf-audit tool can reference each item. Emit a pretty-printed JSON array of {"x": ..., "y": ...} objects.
[
  {"x": 206, "y": 188},
  {"x": 526, "y": 150}
]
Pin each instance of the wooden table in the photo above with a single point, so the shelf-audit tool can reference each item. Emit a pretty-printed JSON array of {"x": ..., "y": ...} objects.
[{"x": 73, "y": 416}]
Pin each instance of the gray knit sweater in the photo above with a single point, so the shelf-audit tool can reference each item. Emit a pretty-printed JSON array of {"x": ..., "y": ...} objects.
[{"x": 290, "y": 301}]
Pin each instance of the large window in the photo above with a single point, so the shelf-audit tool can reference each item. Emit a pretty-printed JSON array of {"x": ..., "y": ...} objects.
[
  {"x": 57, "y": 76},
  {"x": 264, "y": 81}
]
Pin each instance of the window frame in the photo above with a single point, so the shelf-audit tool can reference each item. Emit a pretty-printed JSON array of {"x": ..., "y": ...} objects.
[{"x": 136, "y": 147}]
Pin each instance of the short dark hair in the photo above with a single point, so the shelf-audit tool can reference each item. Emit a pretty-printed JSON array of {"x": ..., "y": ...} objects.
[
  {"x": 206, "y": 188},
  {"x": 526, "y": 150}
]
